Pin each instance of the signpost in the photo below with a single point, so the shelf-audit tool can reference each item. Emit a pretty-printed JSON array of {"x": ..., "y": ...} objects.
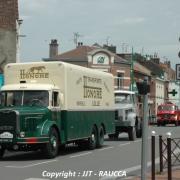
[{"x": 144, "y": 89}]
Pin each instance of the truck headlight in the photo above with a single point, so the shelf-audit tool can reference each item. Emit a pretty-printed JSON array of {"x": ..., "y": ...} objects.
[{"x": 22, "y": 134}]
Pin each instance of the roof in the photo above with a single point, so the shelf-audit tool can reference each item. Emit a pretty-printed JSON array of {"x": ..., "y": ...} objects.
[
  {"x": 143, "y": 70},
  {"x": 80, "y": 54},
  {"x": 153, "y": 67}
]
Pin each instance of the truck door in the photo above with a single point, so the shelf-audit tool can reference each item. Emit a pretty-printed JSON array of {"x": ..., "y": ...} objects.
[{"x": 56, "y": 112}]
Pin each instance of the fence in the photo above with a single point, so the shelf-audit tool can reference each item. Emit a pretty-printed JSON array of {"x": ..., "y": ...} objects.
[{"x": 169, "y": 154}]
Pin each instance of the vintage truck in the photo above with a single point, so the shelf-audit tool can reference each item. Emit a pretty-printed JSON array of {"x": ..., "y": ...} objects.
[
  {"x": 168, "y": 113},
  {"x": 127, "y": 117},
  {"x": 45, "y": 105}
]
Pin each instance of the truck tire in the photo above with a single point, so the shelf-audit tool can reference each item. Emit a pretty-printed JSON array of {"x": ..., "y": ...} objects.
[
  {"x": 113, "y": 136},
  {"x": 51, "y": 148},
  {"x": 2, "y": 151},
  {"x": 100, "y": 141},
  {"x": 92, "y": 141},
  {"x": 176, "y": 123},
  {"x": 132, "y": 133}
]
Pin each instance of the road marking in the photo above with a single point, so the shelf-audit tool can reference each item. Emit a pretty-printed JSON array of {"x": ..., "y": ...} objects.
[
  {"x": 134, "y": 168},
  {"x": 35, "y": 179},
  {"x": 124, "y": 144},
  {"x": 105, "y": 148},
  {"x": 31, "y": 165},
  {"x": 79, "y": 155}
]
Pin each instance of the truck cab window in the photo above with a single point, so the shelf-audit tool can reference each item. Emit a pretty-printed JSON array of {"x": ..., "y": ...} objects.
[{"x": 55, "y": 99}]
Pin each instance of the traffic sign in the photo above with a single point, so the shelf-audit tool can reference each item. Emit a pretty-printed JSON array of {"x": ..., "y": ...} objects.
[{"x": 173, "y": 92}]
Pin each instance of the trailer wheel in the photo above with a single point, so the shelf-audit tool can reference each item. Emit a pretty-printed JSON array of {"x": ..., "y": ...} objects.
[
  {"x": 114, "y": 136},
  {"x": 92, "y": 141},
  {"x": 2, "y": 151},
  {"x": 111, "y": 136},
  {"x": 51, "y": 148},
  {"x": 176, "y": 123},
  {"x": 100, "y": 141},
  {"x": 132, "y": 133}
]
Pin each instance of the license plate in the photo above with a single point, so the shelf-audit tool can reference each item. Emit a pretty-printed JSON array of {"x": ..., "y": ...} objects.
[{"x": 6, "y": 135}]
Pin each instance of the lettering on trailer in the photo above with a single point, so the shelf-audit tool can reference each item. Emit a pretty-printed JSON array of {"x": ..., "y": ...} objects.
[
  {"x": 92, "y": 92},
  {"x": 37, "y": 72}
]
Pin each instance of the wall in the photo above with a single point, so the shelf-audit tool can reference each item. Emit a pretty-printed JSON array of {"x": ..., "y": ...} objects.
[
  {"x": 7, "y": 47},
  {"x": 8, "y": 31}
]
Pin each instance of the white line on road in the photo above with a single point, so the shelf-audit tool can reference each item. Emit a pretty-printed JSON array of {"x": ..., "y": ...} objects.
[
  {"x": 124, "y": 144},
  {"x": 83, "y": 154},
  {"x": 31, "y": 165},
  {"x": 105, "y": 148},
  {"x": 36, "y": 179}
]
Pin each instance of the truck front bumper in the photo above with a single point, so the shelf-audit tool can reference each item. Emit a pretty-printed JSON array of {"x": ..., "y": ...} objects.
[
  {"x": 166, "y": 121},
  {"x": 19, "y": 144},
  {"x": 119, "y": 123}
]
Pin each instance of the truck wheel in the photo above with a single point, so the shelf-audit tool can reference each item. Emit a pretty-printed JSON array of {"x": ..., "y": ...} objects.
[
  {"x": 111, "y": 136},
  {"x": 158, "y": 124},
  {"x": 2, "y": 151},
  {"x": 92, "y": 141},
  {"x": 100, "y": 141},
  {"x": 51, "y": 148},
  {"x": 132, "y": 133},
  {"x": 176, "y": 123}
]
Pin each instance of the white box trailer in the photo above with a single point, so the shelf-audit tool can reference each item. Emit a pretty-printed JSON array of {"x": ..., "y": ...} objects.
[{"x": 77, "y": 104}]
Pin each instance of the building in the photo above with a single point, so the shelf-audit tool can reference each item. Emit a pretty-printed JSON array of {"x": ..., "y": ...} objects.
[
  {"x": 95, "y": 57},
  {"x": 9, "y": 18}
]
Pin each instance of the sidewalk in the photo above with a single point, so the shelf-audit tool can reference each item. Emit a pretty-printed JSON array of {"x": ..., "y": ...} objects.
[{"x": 163, "y": 176}]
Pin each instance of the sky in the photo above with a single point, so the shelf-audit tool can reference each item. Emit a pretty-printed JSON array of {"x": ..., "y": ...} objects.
[{"x": 149, "y": 26}]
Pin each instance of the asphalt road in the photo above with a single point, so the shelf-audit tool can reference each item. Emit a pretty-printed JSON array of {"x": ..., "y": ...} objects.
[{"x": 121, "y": 157}]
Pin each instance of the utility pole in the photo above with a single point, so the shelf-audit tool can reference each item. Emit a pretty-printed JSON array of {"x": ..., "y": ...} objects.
[{"x": 132, "y": 71}]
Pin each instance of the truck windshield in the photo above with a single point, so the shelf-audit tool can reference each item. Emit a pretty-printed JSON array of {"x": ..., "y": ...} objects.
[
  {"x": 167, "y": 108},
  {"x": 24, "y": 98},
  {"x": 123, "y": 98}
]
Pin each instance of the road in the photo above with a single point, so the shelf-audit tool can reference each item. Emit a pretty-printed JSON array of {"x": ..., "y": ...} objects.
[{"x": 120, "y": 156}]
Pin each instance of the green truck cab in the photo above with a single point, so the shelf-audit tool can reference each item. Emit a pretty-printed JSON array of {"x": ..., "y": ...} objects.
[{"x": 45, "y": 105}]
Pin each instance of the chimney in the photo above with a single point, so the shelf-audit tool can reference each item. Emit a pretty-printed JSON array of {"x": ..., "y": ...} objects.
[
  {"x": 80, "y": 44},
  {"x": 53, "y": 48}
]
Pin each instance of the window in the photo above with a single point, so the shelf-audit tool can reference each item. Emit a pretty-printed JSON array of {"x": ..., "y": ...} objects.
[
  {"x": 120, "y": 80},
  {"x": 55, "y": 99}
]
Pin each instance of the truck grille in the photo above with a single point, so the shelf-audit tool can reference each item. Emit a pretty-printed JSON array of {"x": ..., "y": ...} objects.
[
  {"x": 29, "y": 124},
  {"x": 8, "y": 121}
]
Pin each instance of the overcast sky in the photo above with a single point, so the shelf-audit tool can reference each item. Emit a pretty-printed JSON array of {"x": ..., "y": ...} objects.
[{"x": 150, "y": 26}]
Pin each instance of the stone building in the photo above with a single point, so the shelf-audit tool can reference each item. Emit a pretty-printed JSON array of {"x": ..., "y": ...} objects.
[{"x": 9, "y": 19}]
